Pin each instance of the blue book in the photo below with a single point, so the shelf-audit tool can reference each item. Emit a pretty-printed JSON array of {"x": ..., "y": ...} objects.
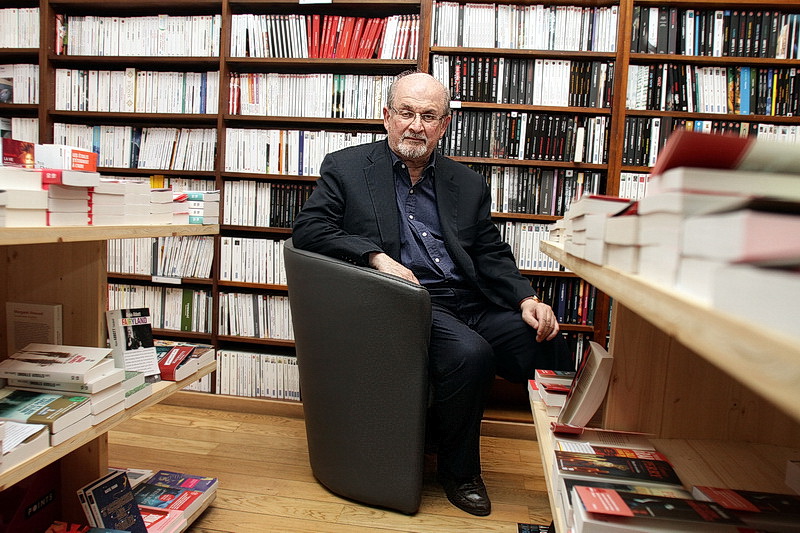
[
  {"x": 178, "y": 480},
  {"x": 113, "y": 504},
  {"x": 744, "y": 90}
]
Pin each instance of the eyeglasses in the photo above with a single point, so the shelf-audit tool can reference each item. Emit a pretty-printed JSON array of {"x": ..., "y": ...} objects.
[{"x": 406, "y": 115}]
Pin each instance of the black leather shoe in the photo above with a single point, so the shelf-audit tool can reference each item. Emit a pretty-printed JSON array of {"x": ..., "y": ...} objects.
[{"x": 469, "y": 496}]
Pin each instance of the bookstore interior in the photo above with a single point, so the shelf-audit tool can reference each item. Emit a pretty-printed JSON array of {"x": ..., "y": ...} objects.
[{"x": 642, "y": 161}]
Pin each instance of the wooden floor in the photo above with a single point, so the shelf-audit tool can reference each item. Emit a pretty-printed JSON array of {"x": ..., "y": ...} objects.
[{"x": 266, "y": 485}]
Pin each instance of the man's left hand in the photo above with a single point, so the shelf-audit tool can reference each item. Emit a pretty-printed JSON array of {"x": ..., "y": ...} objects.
[{"x": 540, "y": 317}]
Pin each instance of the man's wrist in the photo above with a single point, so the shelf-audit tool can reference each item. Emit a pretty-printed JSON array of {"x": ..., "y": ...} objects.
[{"x": 534, "y": 298}]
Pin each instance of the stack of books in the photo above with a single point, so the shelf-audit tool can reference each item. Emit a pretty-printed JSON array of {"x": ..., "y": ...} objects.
[
  {"x": 68, "y": 388},
  {"x": 720, "y": 223},
  {"x": 121, "y": 202},
  {"x": 582, "y": 232},
  {"x": 179, "y": 360},
  {"x": 45, "y": 184},
  {"x": 136, "y": 388},
  {"x": 19, "y": 442},
  {"x": 173, "y": 497},
  {"x": 202, "y": 206}
]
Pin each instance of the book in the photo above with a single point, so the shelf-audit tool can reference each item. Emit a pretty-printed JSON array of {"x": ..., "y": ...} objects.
[
  {"x": 765, "y": 510},
  {"x": 130, "y": 336},
  {"x": 70, "y": 527},
  {"x": 17, "y": 153},
  {"x": 33, "y": 503},
  {"x": 600, "y": 510},
  {"x": 744, "y": 236},
  {"x": 57, "y": 362},
  {"x": 589, "y": 439},
  {"x": 588, "y": 388},
  {"x": 185, "y": 500},
  {"x": 551, "y": 377},
  {"x": 54, "y": 410},
  {"x": 110, "y": 378},
  {"x": 598, "y": 204},
  {"x": 175, "y": 362},
  {"x": 135, "y": 475},
  {"x": 771, "y": 295},
  {"x": 32, "y": 322},
  {"x": 179, "y": 480},
  {"x": 595, "y": 466},
  {"x": 112, "y": 503},
  {"x": 711, "y": 180},
  {"x": 21, "y": 442},
  {"x": 137, "y": 394},
  {"x": 687, "y": 148},
  {"x": 162, "y": 520},
  {"x": 535, "y": 395}
]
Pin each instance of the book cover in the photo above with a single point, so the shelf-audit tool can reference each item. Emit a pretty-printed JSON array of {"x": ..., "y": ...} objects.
[
  {"x": 185, "y": 500},
  {"x": 21, "y": 442},
  {"x": 175, "y": 362},
  {"x": 162, "y": 520},
  {"x": 114, "y": 505},
  {"x": 57, "y": 362},
  {"x": 767, "y": 510},
  {"x": 589, "y": 387},
  {"x": 649, "y": 512},
  {"x": 130, "y": 336},
  {"x": 54, "y": 410},
  {"x": 178, "y": 480},
  {"x": 33, "y": 322},
  {"x": 631, "y": 469}
]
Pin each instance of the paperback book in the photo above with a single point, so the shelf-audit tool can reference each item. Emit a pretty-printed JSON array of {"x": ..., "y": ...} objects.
[
  {"x": 27, "y": 323},
  {"x": 767, "y": 510},
  {"x": 607, "y": 510},
  {"x": 593, "y": 466},
  {"x": 57, "y": 363},
  {"x": 130, "y": 335},
  {"x": 112, "y": 504},
  {"x": 588, "y": 388},
  {"x": 54, "y": 410}
]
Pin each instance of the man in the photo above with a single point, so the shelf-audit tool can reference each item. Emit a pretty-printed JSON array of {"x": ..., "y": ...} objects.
[{"x": 404, "y": 209}]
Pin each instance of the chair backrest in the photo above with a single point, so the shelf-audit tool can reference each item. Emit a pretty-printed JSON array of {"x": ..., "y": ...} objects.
[{"x": 361, "y": 339}]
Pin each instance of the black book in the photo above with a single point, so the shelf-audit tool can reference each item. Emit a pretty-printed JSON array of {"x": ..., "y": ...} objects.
[
  {"x": 733, "y": 34},
  {"x": 493, "y": 82},
  {"x": 772, "y": 43},
  {"x": 755, "y": 45},
  {"x": 726, "y": 31},
  {"x": 636, "y": 28},
  {"x": 530, "y": 80},
  {"x": 480, "y": 79},
  {"x": 595, "y": 77},
  {"x": 742, "y": 34},
  {"x": 672, "y": 35},
  {"x": 766, "y": 26},
  {"x": 749, "y": 32},
  {"x": 513, "y": 90}
]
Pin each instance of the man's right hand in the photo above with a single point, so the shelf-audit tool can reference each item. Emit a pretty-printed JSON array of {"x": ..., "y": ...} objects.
[{"x": 383, "y": 263}]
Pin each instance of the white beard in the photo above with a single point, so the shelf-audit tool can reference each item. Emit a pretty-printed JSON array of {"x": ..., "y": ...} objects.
[{"x": 412, "y": 151}]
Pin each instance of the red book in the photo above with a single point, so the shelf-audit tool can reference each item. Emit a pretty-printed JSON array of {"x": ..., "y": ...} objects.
[
  {"x": 336, "y": 35},
  {"x": 355, "y": 39},
  {"x": 363, "y": 46},
  {"x": 345, "y": 36},
  {"x": 172, "y": 363},
  {"x": 18, "y": 153},
  {"x": 76, "y": 178},
  {"x": 314, "y": 35},
  {"x": 377, "y": 41}
]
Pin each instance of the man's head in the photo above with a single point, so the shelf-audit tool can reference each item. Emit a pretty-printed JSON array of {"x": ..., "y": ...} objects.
[{"x": 416, "y": 115}]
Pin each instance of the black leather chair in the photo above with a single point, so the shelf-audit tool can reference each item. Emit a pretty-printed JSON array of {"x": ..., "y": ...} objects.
[{"x": 362, "y": 341}]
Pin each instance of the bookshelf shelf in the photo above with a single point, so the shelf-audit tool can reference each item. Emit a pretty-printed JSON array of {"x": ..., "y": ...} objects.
[
  {"x": 68, "y": 265},
  {"x": 160, "y": 391},
  {"x": 716, "y": 395},
  {"x": 523, "y": 52},
  {"x": 766, "y": 361},
  {"x": 534, "y": 108}
]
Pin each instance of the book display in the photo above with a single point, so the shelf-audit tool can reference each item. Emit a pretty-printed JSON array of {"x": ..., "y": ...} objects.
[
  {"x": 561, "y": 106},
  {"x": 67, "y": 266}
]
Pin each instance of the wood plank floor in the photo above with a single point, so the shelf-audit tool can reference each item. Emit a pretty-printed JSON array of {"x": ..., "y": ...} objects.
[{"x": 266, "y": 485}]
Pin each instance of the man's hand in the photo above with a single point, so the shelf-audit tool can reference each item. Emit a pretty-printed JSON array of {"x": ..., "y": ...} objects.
[
  {"x": 384, "y": 263},
  {"x": 540, "y": 317}
]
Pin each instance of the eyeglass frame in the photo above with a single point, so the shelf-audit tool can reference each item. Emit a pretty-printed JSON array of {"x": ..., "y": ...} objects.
[{"x": 410, "y": 119}]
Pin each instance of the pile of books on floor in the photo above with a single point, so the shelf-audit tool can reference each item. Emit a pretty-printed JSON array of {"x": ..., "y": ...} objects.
[
  {"x": 616, "y": 481},
  {"x": 720, "y": 223},
  {"x": 141, "y": 501}
]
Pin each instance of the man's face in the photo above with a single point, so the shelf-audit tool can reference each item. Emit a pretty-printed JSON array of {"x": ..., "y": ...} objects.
[{"x": 416, "y": 121}]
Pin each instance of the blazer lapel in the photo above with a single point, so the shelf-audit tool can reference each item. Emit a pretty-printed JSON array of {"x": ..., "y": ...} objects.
[
  {"x": 447, "y": 199},
  {"x": 379, "y": 181}
]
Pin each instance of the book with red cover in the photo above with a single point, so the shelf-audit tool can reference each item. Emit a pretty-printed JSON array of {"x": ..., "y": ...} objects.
[
  {"x": 172, "y": 362},
  {"x": 314, "y": 35},
  {"x": 18, "y": 153},
  {"x": 355, "y": 40},
  {"x": 685, "y": 148},
  {"x": 599, "y": 509},
  {"x": 631, "y": 469},
  {"x": 345, "y": 35},
  {"x": 768, "y": 510}
]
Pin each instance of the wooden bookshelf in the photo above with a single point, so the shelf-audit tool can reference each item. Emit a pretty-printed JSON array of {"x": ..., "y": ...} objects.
[
  {"x": 68, "y": 266},
  {"x": 718, "y": 395}
]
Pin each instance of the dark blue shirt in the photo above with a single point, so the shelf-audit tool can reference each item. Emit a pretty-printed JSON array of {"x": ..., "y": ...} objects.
[{"x": 422, "y": 248}]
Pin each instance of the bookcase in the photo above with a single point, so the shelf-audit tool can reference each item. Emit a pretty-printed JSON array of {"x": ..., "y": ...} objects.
[
  {"x": 68, "y": 266},
  {"x": 717, "y": 394},
  {"x": 595, "y": 100}
]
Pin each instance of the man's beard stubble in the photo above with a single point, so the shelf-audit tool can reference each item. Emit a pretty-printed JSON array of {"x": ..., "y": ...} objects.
[{"x": 413, "y": 151}]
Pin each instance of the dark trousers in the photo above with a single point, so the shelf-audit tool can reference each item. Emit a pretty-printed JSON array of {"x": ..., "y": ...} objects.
[{"x": 473, "y": 339}]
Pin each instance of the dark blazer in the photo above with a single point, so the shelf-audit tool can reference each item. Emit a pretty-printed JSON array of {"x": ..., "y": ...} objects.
[{"x": 353, "y": 212}]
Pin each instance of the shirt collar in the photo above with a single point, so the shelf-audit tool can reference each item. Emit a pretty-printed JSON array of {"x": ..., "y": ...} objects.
[{"x": 430, "y": 166}]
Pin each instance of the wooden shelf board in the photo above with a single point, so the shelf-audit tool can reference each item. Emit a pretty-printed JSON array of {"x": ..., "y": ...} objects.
[
  {"x": 161, "y": 390},
  {"x": 53, "y": 234},
  {"x": 766, "y": 361}
]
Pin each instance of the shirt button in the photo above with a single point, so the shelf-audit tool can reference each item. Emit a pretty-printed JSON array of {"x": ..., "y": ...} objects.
[
  {"x": 436, "y": 260},
  {"x": 424, "y": 233},
  {"x": 411, "y": 191},
  {"x": 411, "y": 217}
]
